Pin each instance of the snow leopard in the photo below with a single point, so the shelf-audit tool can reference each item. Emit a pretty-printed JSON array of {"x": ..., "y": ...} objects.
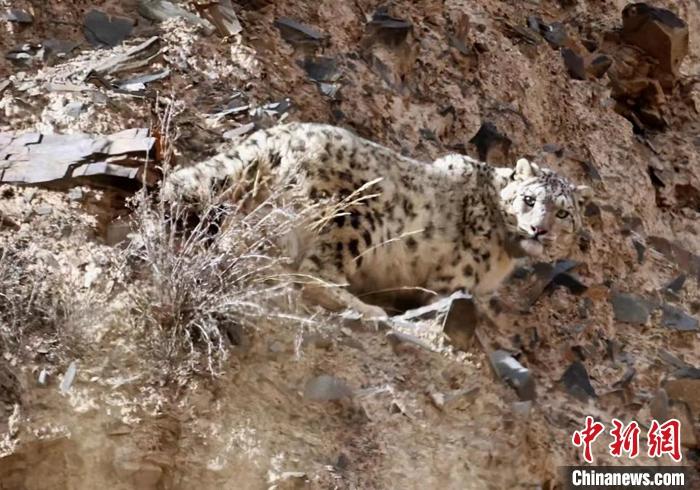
[{"x": 422, "y": 229}]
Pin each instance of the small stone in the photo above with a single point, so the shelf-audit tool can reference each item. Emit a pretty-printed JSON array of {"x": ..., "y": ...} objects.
[
  {"x": 590, "y": 44},
  {"x": 454, "y": 399},
  {"x": 461, "y": 322},
  {"x": 326, "y": 388},
  {"x": 57, "y": 49},
  {"x": 514, "y": 373},
  {"x": 543, "y": 276},
  {"x": 342, "y": 462},
  {"x": 577, "y": 382},
  {"x": 390, "y": 29},
  {"x": 535, "y": 23},
  {"x": 399, "y": 341},
  {"x": 69, "y": 377},
  {"x": 296, "y": 33},
  {"x": 76, "y": 194},
  {"x": 44, "y": 210},
  {"x": 105, "y": 30},
  {"x": 570, "y": 282},
  {"x": 329, "y": 89},
  {"x": 599, "y": 65},
  {"x": 42, "y": 377},
  {"x": 554, "y": 148},
  {"x": 19, "y": 16},
  {"x": 676, "y": 284},
  {"x": 640, "y": 249},
  {"x": 574, "y": 64},
  {"x": 160, "y": 10},
  {"x": 239, "y": 131},
  {"x": 321, "y": 69},
  {"x": 555, "y": 34},
  {"x": 687, "y": 372},
  {"x": 677, "y": 319},
  {"x": 629, "y": 308},
  {"x": 290, "y": 480},
  {"x": 222, "y": 15},
  {"x": 74, "y": 109}
]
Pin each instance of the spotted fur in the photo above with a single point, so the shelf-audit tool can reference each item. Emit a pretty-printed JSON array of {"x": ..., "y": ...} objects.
[{"x": 453, "y": 224}]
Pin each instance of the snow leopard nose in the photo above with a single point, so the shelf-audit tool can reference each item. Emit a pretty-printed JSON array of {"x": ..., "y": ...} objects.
[{"x": 538, "y": 231}]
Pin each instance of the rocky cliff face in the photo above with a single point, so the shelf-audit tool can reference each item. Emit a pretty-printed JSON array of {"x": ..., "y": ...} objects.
[{"x": 604, "y": 92}]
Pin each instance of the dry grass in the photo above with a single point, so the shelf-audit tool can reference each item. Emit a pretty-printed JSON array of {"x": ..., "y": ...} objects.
[
  {"x": 36, "y": 303},
  {"x": 196, "y": 286}
]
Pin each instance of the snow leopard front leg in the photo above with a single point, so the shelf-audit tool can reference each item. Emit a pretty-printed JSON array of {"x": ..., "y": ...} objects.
[{"x": 325, "y": 269}]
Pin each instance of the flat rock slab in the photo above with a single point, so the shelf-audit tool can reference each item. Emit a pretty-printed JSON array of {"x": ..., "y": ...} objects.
[
  {"x": 105, "y": 30},
  {"x": 629, "y": 308},
  {"x": 35, "y": 158}
]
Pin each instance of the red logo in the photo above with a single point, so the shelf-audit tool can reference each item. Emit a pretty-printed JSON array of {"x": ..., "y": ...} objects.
[
  {"x": 665, "y": 439},
  {"x": 587, "y": 436},
  {"x": 625, "y": 439}
]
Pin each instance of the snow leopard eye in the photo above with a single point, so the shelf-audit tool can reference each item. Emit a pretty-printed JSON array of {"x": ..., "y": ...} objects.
[
  {"x": 529, "y": 200},
  {"x": 562, "y": 213}
]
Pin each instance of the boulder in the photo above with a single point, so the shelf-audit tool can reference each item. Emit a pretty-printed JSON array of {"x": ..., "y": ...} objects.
[{"x": 661, "y": 34}]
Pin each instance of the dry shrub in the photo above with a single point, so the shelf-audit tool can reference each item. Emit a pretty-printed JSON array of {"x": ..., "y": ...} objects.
[
  {"x": 195, "y": 289},
  {"x": 197, "y": 286},
  {"x": 37, "y": 305}
]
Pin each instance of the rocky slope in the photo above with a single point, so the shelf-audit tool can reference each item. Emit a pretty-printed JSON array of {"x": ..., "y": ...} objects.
[{"x": 87, "y": 400}]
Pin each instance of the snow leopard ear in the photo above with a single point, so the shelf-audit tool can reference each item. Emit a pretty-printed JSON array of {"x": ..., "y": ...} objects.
[
  {"x": 584, "y": 195},
  {"x": 526, "y": 169}
]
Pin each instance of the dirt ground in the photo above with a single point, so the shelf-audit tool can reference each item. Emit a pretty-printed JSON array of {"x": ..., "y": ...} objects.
[{"x": 421, "y": 414}]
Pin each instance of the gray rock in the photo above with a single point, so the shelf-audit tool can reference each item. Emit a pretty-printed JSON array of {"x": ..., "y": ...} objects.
[
  {"x": 69, "y": 377},
  {"x": 514, "y": 373},
  {"x": 326, "y": 388},
  {"x": 239, "y": 131},
  {"x": 74, "y": 109},
  {"x": 160, "y": 10},
  {"x": 461, "y": 321},
  {"x": 19, "y": 16},
  {"x": 321, "y": 69},
  {"x": 222, "y": 15},
  {"x": 677, "y": 319},
  {"x": 397, "y": 338},
  {"x": 577, "y": 382},
  {"x": 142, "y": 80},
  {"x": 574, "y": 64},
  {"x": 101, "y": 29},
  {"x": 44, "y": 210},
  {"x": 629, "y": 308},
  {"x": 390, "y": 29},
  {"x": 676, "y": 284},
  {"x": 297, "y": 33},
  {"x": 600, "y": 65},
  {"x": 555, "y": 34},
  {"x": 34, "y": 158}
]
